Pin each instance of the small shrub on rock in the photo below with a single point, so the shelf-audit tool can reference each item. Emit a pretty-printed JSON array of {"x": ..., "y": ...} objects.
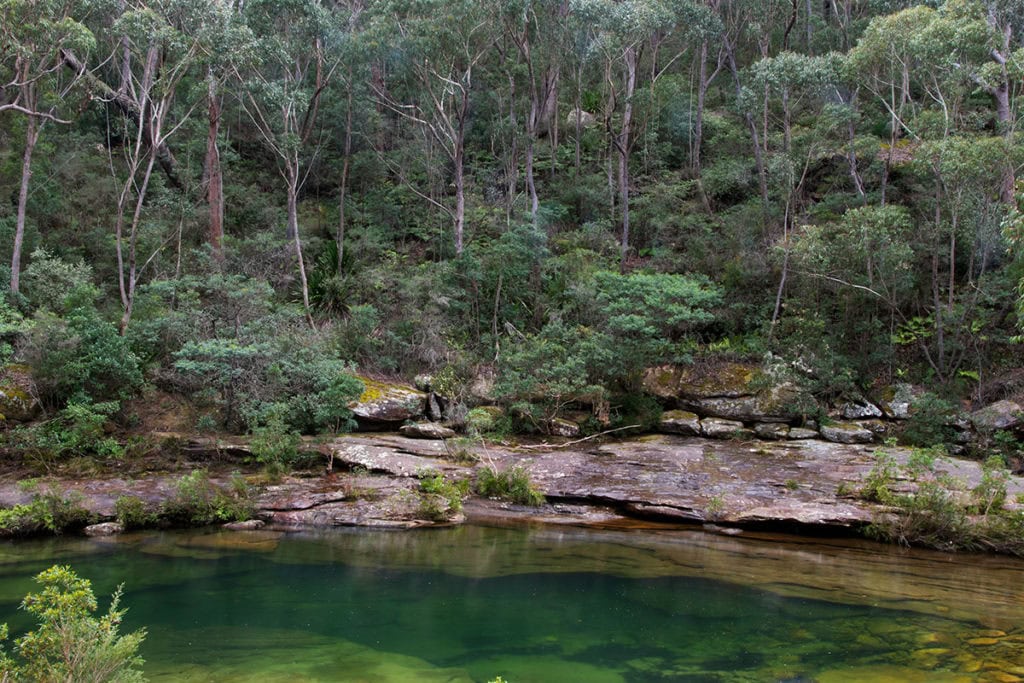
[
  {"x": 512, "y": 484},
  {"x": 197, "y": 501}
]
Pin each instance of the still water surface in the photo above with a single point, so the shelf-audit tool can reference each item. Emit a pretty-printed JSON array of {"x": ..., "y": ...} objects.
[{"x": 472, "y": 603}]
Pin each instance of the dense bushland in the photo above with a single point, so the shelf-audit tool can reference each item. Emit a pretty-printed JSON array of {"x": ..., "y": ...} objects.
[{"x": 247, "y": 203}]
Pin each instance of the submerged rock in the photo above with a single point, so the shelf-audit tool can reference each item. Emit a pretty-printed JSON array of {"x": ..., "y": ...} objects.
[
  {"x": 104, "y": 529},
  {"x": 247, "y": 525}
]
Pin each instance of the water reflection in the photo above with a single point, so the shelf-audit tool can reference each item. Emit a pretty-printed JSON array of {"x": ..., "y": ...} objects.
[{"x": 545, "y": 604}]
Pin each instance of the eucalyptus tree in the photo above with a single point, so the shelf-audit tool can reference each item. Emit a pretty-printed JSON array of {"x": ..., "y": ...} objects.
[
  {"x": 534, "y": 28},
  {"x": 353, "y": 79},
  {"x": 33, "y": 36},
  {"x": 625, "y": 33},
  {"x": 293, "y": 62},
  {"x": 923, "y": 66},
  {"x": 436, "y": 50},
  {"x": 161, "y": 43}
]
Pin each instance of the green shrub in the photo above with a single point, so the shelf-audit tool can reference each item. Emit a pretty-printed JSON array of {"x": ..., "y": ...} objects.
[
  {"x": 69, "y": 644},
  {"x": 80, "y": 356},
  {"x": 131, "y": 513},
  {"x": 990, "y": 493},
  {"x": 488, "y": 420},
  {"x": 272, "y": 443},
  {"x": 48, "y": 279},
  {"x": 282, "y": 373},
  {"x": 198, "y": 501},
  {"x": 930, "y": 422},
  {"x": 512, "y": 484},
  {"x": 877, "y": 484},
  {"x": 441, "y": 498},
  {"x": 51, "y": 511}
]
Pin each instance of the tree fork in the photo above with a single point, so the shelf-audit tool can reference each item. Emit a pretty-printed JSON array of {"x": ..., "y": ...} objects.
[{"x": 130, "y": 108}]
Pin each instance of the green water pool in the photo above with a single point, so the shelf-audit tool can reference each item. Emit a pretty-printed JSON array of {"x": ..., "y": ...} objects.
[{"x": 559, "y": 605}]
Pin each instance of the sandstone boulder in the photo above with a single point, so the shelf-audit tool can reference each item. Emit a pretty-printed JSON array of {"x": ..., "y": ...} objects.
[
  {"x": 16, "y": 401},
  {"x": 999, "y": 415},
  {"x": 846, "y": 432},
  {"x": 386, "y": 404},
  {"x": 717, "y": 428},
  {"x": 860, "y": 410},
  {"x": 427, "y": 430},
  {"x": 771, "y": 431},
  {"x": 561, "y": 427},
  {"x": 679, "y": 422},
  {"x": 897, "y": 401},
  {"x": 731, "y": 391}
]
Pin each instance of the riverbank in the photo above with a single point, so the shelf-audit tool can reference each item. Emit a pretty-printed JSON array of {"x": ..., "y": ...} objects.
[{"x": 805, "y": 487}]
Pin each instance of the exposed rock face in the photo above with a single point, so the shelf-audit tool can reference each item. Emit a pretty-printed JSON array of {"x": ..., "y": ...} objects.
[
  {"x": 717, "y": 428},
  {"x": 427, "y": 430},
  {"x": 103, "y": 529},
  {"x": 383, "y": 404},
  {"x": 586, "y": 119},
  {"x": 679, "y": 422},
  {"x": 481, "y": 389},
  {"x": 860, "y": 410},
  {"x": 731, "y": 391},
  {"x": 771, "y": 431},
  {"x": 898, "y": 400},
  {"x": 801, "y": 433},
  {"x": 846, "y": 432},
  {"x": 16, "y": 401},
  {"x": 658, "y": 477},
  {"x": 561, "y": 427},
  {"x": 999, "y": 415}
]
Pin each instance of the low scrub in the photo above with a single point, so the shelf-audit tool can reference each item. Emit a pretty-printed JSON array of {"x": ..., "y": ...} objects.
[
  {"x": 512, "y": 484},
  {"x": 198, "y": 501},
  {"x": 940, "y": 511},
  {"x": 50, "y": 511},
  {"x": 440, "y": 498}
]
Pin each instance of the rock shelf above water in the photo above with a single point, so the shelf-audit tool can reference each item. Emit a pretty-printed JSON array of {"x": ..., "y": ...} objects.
[{"x": 791, "y": 485}]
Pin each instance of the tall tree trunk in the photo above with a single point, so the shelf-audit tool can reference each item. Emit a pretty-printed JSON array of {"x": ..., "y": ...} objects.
[
  {"x": 32, "y": 128},
  {"x": 343, "y": 185},
  {"x": 698, "y": 124},
  {"x": 531, "y": 136},
  {"x": 623, "y": 143},
  {"x": 459, "y": 219},
  {"x": 762, "y": 175},
  {"x": 292, "y": 179},
  {"x": 215, "y": 185},
  {"x": 133, "y": 240}
]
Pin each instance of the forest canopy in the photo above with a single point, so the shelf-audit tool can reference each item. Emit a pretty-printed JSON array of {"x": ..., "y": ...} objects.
[{"x": 249, "y": 201}]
